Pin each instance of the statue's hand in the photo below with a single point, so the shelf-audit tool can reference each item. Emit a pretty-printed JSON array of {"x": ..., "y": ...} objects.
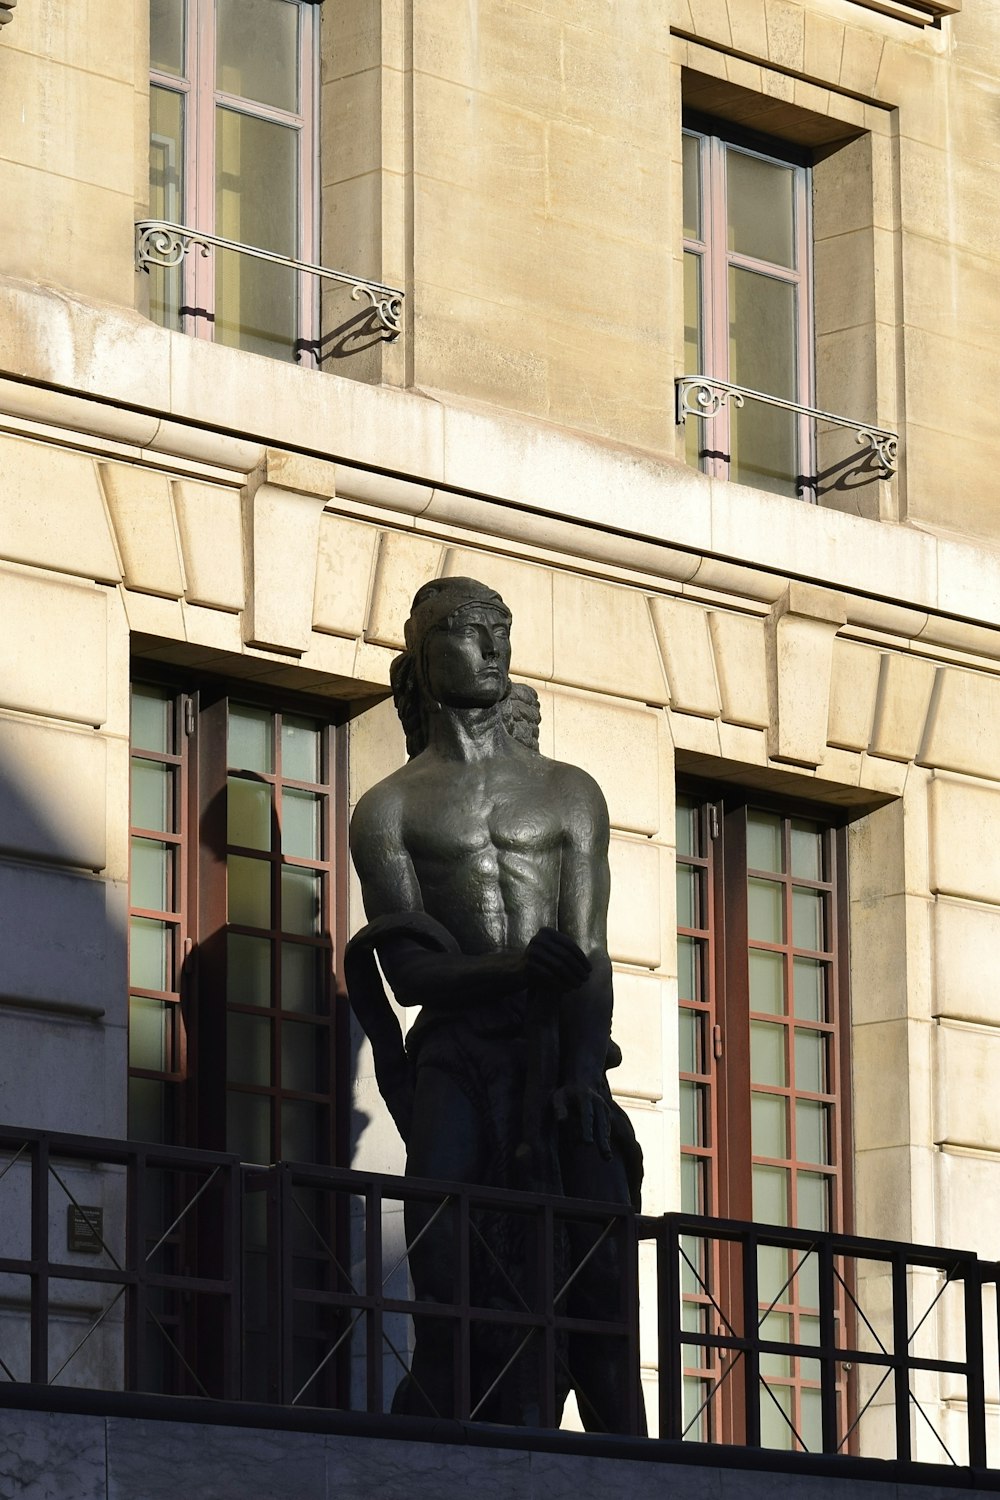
[
  {"x": 585, "y": 1107},
  {"x": 553, "y": 961}
]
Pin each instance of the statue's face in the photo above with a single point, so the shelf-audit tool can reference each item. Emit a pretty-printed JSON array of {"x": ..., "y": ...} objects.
[{"x": 467, "y": 660}]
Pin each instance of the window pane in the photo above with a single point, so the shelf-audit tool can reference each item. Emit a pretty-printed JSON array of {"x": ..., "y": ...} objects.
[
  {"x": 301, "y": 901},
  {"x": 694, "y": 427},
  {"x": 166, "y": 36},
  {"x": 809, "y": 979},
  {"x": 152, "y": 795},
  {"x": 770, "y": 1195},
  {"x": 807, "y": 919},
  {"x": 148, "y": 1034},
  {"x": 256, "y": 204},
  {"x": 777, "y": 1328},
  {"x": 248, "y": 813},
  {"x": 257, "y": 51},
  {"x": 166, "y": 196},
  {"x": 248, "y": 1049},
  {"x": 810, "y": 1062},
  {"x": 250, "y": 747},
  {"x": 688, "y": 890},
  {"x": 151, "y": 720},
  {"x": 769, "y": 1125},
  {"x": 249, "y": 891},
  {"x": 248, "y": 970},
  {"x": 304, "y": 1129},
  {"x": 692, "y": 1185},
  {"x": 811, "y": 1425},
  {"x": 764, "y": 841},
  {"x": 767, "y": 1054},
  {"x": 300, "y": 824},
  {"x": 807, "y": 850},
  {"x": 148, "y": 1110},
  {"x": 691, "y": 146},
  {"x": 688, "y": 987},
  {"x": 812, "y": 1131},
  {"x": 767, "y": 982},
  {"x": 303, "y": 1057},
  {"x": 302, "y": 985},
  {"x": 152, "y": 882},
  {"x": 762, "y": 356},
  {"x": 690, "y": 1025},
  {"x": 249, "y": 1126},
  {"x": 761, "y": 208},
  {"x": 300, "y": 749},
  {"x": 813, "y": 1205},
  {"x": 772, "y": 1272},
  {"x": 691, "y": 1114},
  {"x": 765, "y": 903},
  {"x": 775, "y": 1415},
  {"x": 686, "y": 825},
  {"x": 149, "y": 954}
]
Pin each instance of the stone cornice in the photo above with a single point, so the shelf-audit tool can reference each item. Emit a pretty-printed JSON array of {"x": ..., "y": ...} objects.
[{"x": 6, "y": 11}]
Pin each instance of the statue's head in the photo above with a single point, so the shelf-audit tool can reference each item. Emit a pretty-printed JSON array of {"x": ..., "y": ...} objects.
[{"x": 457, "y": 656}]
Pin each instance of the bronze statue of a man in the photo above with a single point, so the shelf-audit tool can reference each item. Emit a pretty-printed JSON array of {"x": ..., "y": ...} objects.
[{"x": 484, "y": 870}]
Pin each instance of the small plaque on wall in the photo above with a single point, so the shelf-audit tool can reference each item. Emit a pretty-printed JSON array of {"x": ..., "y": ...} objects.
[{"x": 84, "y": 1229}]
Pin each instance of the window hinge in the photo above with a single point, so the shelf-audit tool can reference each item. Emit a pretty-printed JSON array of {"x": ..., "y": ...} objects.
[
  {"x": 713, "y": 821},
  {"x": 189, "y": 716},
  {"x": 716, "y": 1042}
]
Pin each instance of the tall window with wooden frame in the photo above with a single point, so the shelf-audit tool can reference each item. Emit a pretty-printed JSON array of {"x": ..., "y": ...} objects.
[
  {"x": 764, "y": 1084},
  {"x": 237, "y": 914},
  {"x": 748, "y": 317},
  {"x": 232, "y": 153}
]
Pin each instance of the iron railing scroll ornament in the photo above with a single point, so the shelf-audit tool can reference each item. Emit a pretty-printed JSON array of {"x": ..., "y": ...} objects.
[
  {"x": 703, "y": 396},
  {"x": 160, "y": 243}
]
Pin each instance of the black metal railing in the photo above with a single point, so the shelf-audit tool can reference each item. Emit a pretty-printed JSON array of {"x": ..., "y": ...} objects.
[{"x": 133, "y": 1268}]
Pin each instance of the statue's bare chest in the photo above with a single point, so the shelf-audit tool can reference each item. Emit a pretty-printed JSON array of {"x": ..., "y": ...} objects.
[{"x": 482, "y": 818}]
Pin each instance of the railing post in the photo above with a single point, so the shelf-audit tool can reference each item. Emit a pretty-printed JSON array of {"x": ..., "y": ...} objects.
[
  {"x": 900, "y": 1355},
  {"x": 974, "y": 1279},
  {"x": 40, "y": 1262},
  {"x": 668, "y": 1280},
  {"x": 828, "y": 1348},
  {"x": 374, "y": 1291},
  {"x": 629, "y": 1227},
  {"x": 751, "y": 1332}
]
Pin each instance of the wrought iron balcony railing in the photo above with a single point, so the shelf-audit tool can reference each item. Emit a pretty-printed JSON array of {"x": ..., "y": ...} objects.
[
  {"x": 703, "y": 396},
  {"x": 158, "y": 242},
  {"x": 145, "y": 1269}
]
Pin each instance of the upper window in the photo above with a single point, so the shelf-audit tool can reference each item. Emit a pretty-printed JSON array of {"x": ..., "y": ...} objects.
[
  {"x": 748, "y": 308},
  {"x": 232, "y": 150}
]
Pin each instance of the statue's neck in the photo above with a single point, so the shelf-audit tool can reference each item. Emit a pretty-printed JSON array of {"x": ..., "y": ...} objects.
[{"x": 468, "y": 734}]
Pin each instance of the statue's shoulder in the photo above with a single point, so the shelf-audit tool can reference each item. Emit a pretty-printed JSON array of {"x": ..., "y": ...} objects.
[{"x": 573, "y": 785}]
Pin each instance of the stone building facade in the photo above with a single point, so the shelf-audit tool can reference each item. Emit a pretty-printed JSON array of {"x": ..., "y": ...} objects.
[{"x": 181, "y": 511}]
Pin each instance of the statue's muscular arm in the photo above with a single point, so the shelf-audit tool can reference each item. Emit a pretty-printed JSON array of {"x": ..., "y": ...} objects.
[{"x": 442, "y": 981}]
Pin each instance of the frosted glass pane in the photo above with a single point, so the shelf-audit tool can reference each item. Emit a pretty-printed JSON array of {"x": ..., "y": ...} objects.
[
  {"x": 152, "y": 795},
  {"x": 301, "y": 901},
  {"x": 248, "y": 1050},
  {"x": 763, "y": 841},
  {"x": 689, "y": 1027},
  {"x": 152, "y": 883},
  {"x": 257, "y": 51},
  {"x": 303, "y": 1130},
  {"x": 248, "y": 970},
  {"x": 300, "y": 824},
  {"x": 772, "y": 1273},
  {"x": 810, "y": 1062},
  {"x": 691, "y": 1114},
  {"x": 807, "y": 919},
  {"x": 688, "y": 890},
  {"x": 150, "y": 720},
  {"x": 302, "y": 985},
  {"x": 249, "y": 1126},
  {"x": 807, "y": 850},
  {"x": 767, "y": 1054},
  {"x": 813, "y": 1200},
  {"x": 686, "y": 824},
  {"x": 809, "y": 979},
  {"x": 762, "y": 356},
  {"x": 767, "y": 981},
  {"x": 687, "y": 968},
  {"x": 806, "y": 1283},
  {"x": 765, "y": 919},
  {"x": 691, "y": 147},
  {"x": 769, "y": 1125},
  {"x": 249, "y": 891},
  {"x": 166, "y": 36},
  {"x": 148, "y": 1034},
  {"x": 250, "y": 742},
  {"x": 775, "y": 1414},
  {"x": 811, "y": 1423},
  {"x": 303, "y": 1058},
  {"x": 696, "y": 1400},
  {"x": 777, "y": 1328},
  {"x": 300, "y": 749},
  {"x": 248, "y": 813},
  {"x": 761, "y": 208},
  {"x": 812, "y": 1131},
  {"x": 692, "y": 1185},
  {"x": 770, "y": 1195},
  {"x": 149, "y": 954}
]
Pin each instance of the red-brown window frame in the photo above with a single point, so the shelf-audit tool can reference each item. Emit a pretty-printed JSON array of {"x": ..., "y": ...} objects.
[
  {"x": 722, "y": 933},
  {"x": 198, "y": 1075}
]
